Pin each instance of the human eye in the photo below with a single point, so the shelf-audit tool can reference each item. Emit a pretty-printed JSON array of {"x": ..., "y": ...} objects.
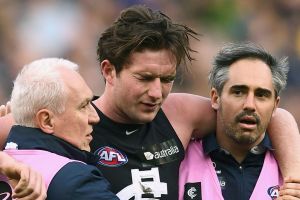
[
  {"x": 167, "y": 79},
  {"x": 86, "y": 104},
  {"x": 237, "y": 92},
  {"x": 263, "y": 94},
  {"x": 144, "y": 78}
]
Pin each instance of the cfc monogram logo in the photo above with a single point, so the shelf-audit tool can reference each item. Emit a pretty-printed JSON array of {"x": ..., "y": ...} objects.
[
  {"x": 139, "y": 188},
  {"x": 192, "y": 191}
]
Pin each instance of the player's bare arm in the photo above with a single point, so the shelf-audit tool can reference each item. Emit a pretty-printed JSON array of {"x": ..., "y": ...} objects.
[
  {"x": 284, "y": 133},
  {"x": 189, "y": 115}
]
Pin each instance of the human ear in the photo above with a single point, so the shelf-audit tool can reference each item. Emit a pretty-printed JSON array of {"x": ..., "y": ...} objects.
[
  {"x": 44, "y": 120},
  {"x": 215, "y": 99},
  {"x": 108, "y": 71},
  {"x": 276, "y": 105}
]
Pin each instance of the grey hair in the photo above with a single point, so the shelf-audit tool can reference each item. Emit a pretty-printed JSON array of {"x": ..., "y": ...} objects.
[
  {"x": 39, "y": 85},
  {"x": 233, "y": 52}
]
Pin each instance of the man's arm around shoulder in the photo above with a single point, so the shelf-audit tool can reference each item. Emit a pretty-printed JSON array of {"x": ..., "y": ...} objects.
[{"x": 189, "y": 114}]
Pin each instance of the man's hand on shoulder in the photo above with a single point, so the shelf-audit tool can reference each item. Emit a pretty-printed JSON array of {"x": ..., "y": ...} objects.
[
  {"x": 27, "y": 183},
  {"x": 5, "y": 109},
  {"x": 6, "y": 122},
  {"x": 290, "y": 190}
]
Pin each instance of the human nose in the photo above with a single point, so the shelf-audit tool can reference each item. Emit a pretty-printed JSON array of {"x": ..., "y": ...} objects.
[
  {"x": 155, "y": 89},
  {"x": 249, "y": 103},
  {"x": 93, "y": 116}
]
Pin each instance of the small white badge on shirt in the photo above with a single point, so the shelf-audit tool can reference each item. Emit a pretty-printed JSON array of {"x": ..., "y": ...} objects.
[{"x": 11, "y": 146}]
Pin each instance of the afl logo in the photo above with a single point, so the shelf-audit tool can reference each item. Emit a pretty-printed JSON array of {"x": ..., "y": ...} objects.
[
  {"x": 111, "y": 157},
  {"x": 273, "y": 192}
]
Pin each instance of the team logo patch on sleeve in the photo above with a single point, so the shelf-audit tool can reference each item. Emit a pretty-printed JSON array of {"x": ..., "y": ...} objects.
[
  {"x": 5, "y": 191},
  {"x": 273, "y": 192},
  {"x": 192, "y": 191},
  {"x": 111, "y": 157}
]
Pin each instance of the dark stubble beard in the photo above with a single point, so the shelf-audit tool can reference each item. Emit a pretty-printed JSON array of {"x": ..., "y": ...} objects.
[{"x": 233, "y": 130}]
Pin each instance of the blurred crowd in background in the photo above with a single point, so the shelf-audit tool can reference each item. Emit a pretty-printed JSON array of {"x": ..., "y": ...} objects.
[{"x": 70, "y": 29}]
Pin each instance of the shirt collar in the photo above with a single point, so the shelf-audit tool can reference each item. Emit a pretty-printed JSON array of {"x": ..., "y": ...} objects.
[
  {"x": 210, "y": 144},
  {"x": 34, "y": 138}
]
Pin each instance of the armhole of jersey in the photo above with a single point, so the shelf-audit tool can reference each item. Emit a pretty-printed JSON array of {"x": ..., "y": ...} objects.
[{"x": 168, "y": 125}]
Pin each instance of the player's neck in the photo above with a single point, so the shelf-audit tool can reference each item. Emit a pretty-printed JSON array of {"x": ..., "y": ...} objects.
[
  {"x": 104, "y": 106},
  {"x": 107, "y": 106}
]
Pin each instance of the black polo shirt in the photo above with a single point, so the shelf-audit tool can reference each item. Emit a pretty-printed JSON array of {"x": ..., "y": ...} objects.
[{"x": 237, "y": 180}]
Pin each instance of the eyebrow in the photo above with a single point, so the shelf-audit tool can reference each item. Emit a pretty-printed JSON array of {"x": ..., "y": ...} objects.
[
  {"x": 267, "y": 91},
  {"x": 155, "y": 75},
  {"x": 244, "y": 87},
  {"x": 86, "y": 100}
]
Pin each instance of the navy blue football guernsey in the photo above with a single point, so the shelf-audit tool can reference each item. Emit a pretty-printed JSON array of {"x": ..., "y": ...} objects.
[{"x": 141, "y": 161}]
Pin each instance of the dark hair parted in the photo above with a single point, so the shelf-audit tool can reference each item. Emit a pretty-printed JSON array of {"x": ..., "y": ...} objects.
[
  {"x": 140, "y": 28},
  {"x": 233, "y": 52}
]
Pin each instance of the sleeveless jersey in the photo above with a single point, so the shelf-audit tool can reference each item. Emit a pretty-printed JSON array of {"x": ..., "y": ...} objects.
[
  {"x": 141, "y": 161},
  {"x": 198, "y": 179}
]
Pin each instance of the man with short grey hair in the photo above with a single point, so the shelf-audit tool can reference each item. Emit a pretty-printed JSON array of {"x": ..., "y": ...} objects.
[{"x": 51, "y": 105}]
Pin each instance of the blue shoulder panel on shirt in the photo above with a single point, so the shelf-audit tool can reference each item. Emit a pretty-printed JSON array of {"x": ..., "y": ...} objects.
[{"x": 79, "y": 181}]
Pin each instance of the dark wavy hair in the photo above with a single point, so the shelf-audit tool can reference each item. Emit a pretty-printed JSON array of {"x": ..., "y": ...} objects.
[{"x": 139, "y": 28}]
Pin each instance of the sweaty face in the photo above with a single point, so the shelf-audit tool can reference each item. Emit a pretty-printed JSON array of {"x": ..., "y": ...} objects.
[
  {"x": 142, "y": 86},
  {"x": 247, "y": 102},
  {"x": 74, "y": 125}
]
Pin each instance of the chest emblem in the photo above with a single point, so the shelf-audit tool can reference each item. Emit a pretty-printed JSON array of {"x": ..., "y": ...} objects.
[
  {"x": 273, "y": 192},
  {"x": 111, "y": 157},
  {"x": 192, "y": 191}
]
